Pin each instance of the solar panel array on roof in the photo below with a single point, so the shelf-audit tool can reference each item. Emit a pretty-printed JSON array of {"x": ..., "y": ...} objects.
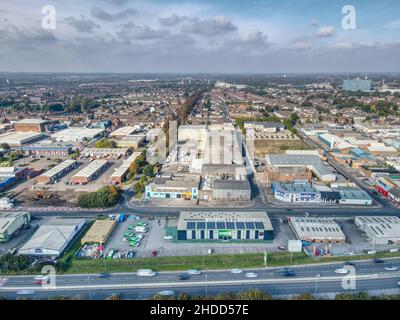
[
  {"x": 201, "y": 225},
  {"x": 191, "y": 225},
  {"x": 230, "y": 225},
  {"x": 221, "y": 225},
  {"x": 249, "y": 225}
]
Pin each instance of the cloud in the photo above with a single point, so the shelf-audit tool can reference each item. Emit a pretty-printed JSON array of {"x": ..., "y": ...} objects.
[
  {"x": 131, "y": 31},
  {"x": 393, "y": 25},
  {"x": 346, "y": 45},
  {"x": 103, "y": 15},
  {"x": 13, "y": 35},
  {"x": 81, "y": 25},
  {"x": 300, "y": 45},
  {"x": 325, "y": 32},
  {"x": 210, "y": 27},
  {"x": 118, "y": 2},
  {"x": 172, "y": 20}
]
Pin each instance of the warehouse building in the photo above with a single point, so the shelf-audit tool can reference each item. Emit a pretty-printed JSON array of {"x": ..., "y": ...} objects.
[
  {"x": 31, "y": 125},
  {"x": 353, "y": 196},
  {"x": 99, "y": 232},
  {"x": 57, "y": 172},
  {"x": 99, "y": 153},
  {"x": 298, "y": 191},
  {"x": 311, "y": 162},
  {"x": 380, "y": 229},
  {"x": 90, "y": 172},
  {"x": 233, "y": 190},
  {"x": 77, "y": 135},
  {"x": 11, "y": 222},
  {"x": 224, "y": 226},
  {"x": 319, "y": 230},
  {"x": 267, "y": 127},
  {"x": 124, "y": 131},
  {"x": 47, "y": 149},
  {"x": 17, "y": 139},
  {"x": 174, "y": 187},
  {"x": 131, "y": 141},
  {"x": 52, "y": 238},
  {"x": 119, "y": 175}
]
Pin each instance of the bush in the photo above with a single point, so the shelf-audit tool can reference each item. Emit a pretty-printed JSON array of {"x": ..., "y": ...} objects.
[
  {"x": 105, "y": 197},
  {"x": 104, "y": 143}
]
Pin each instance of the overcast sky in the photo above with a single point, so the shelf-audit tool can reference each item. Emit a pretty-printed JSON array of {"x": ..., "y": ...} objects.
[{"x": 248, "y": 36}]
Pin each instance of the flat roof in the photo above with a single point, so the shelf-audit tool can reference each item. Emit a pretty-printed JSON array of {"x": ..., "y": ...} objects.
[
  {"x": 103, "y": 151},
  {"x": 124, "y": 131},
  {"x": 58, "y": 168},
  {"x": 32, "y": 121},
  {"x": 125, "y": 165},
  {"x": 308, "y": 160},
  {"x": 380, "y": 226},
  {"x": 7, "y": 218},
  {"x": 240, "y": 220},
  {"x": 231, "y": 184},
  {"x": 53, "y": 234},
  {"x": 316, "y": 228},
  {"x": 75, "y": 132},
  {"x": 20, "y": 136},
  {"x": 99, "y": 231},
  {"x": 90, "y": 169}
]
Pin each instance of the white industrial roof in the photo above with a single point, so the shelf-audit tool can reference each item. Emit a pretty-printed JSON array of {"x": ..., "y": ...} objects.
[
  {"x": 7, "y": 218},
  {"x": 90, "y": 169},
  {"x": 32, "y": 121},
  {"x": 381, "y": 226},
  {"x": 73, "y": 133},
  {"x": 124, "y": 131},
  {"x": 52, "y": 235},
  {"x": 18, "y": 138},
  {"x": 125, "y": 165},
  {"x": 58, "y": 168},
  {"x": 316, "y": 228}
]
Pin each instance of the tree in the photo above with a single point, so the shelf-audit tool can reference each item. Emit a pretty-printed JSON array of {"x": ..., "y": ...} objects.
[
  {"x": 105, "y": 143},
  {"x": 148, "y": 171},
  {"x": 253, "y": 294},
  {"x": 114, "y": 296},
  {"x": 5, "y": 146},
  {"x": 105, "y": 197}
]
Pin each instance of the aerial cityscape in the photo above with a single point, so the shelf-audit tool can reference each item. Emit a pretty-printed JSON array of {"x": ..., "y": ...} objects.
[{"x": 199, "y": 150}]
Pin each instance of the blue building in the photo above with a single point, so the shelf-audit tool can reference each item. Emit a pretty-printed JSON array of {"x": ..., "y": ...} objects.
[{"x": 357, "y": 85}]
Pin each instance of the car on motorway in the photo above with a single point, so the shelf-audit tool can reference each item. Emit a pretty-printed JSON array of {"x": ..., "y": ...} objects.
[
  {"x": 251, "y": 275},
  {"x": 288, "y": 272},
  {"x": 25, "y": 292},
  {"x": 103, "y": 275},
  {"x": 194, "y": 272},
  {"x": 398, "y": 283},
  {"x": 349, "y": 263},
  {"x": 166, "y": 293},
  {"x": 377, "y": 260},
  {"x": 391, "y": 268},
  {"x": 183, "y": 276},
  {"x": 342, "y": 271},
  {"x": 41, "y": 279},
  {"x": 236, "y": 271},
  {"x": 146, "y": 273}
]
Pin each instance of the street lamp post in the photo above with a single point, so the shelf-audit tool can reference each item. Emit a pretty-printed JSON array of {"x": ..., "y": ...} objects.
[{"x": 316, "y": 283}]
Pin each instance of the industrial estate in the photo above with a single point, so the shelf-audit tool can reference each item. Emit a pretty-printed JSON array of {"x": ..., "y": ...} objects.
[{"x": 166, "y": 185}]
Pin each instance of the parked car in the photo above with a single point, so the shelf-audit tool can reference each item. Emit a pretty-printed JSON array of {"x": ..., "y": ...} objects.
[
  {"x": 342, "y": 271},
  {"x": 168, "y": 237},
  {"x": 154, "y": 253},
  {"x": 283, "y": 248}
]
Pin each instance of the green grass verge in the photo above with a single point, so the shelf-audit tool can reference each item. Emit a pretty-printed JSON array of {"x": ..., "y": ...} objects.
[{"x": 248, "y": 260}]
